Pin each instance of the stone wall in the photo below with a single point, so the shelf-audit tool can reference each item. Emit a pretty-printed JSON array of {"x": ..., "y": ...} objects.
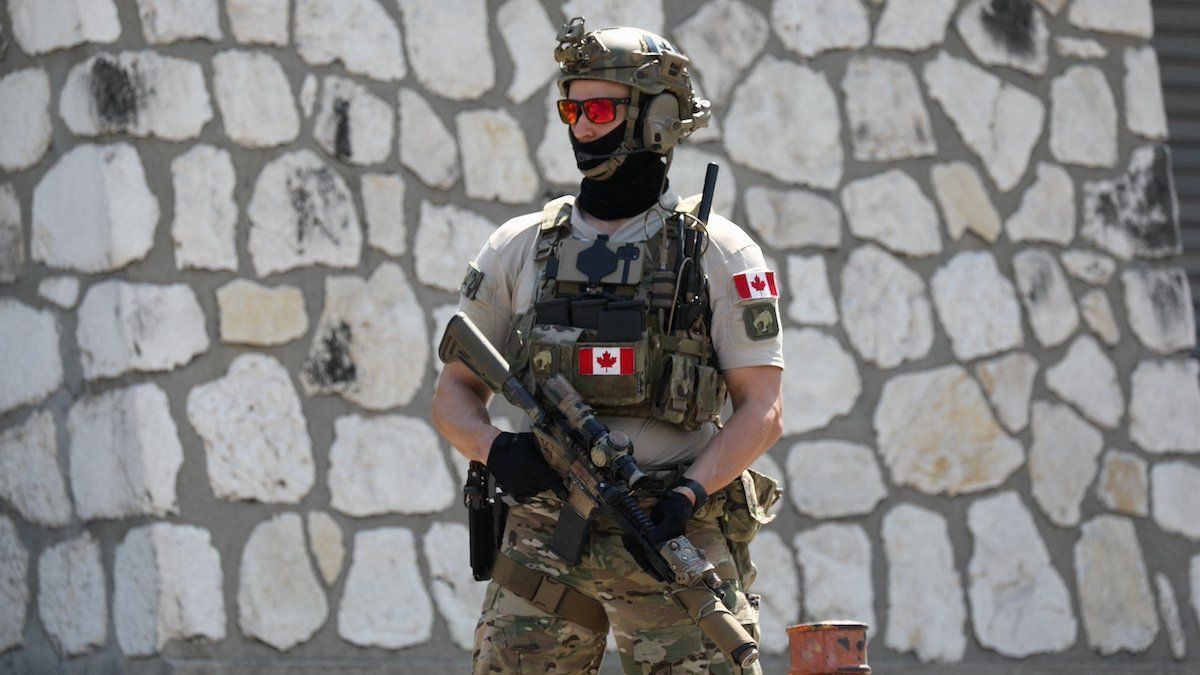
[{"x": 230, "y": 232}]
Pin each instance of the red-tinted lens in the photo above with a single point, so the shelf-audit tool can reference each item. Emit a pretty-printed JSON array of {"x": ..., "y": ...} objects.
[
  {"x": 600, "y": 110},
  {"x": 568, "y": 111}
]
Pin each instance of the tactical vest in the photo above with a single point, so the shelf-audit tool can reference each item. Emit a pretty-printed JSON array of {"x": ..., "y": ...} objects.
[{"x": 627, "y": 324}]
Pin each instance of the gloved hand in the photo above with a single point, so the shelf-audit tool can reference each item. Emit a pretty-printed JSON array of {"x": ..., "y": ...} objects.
[
  {"x": 670, "y": 515},
  {"x": 519, "y": 468}
]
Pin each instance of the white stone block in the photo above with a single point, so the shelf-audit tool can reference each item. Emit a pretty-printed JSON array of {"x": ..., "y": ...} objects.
[
  {"x": 688, "y": 169},
  {"x": 913, "y": 25},
  {"x": 126, "y": 327},
  {"x": 308, "y": 95},
  {"x": 359, "y": 33},
  {"x": 1047, "y": 211},
  {"x": 168, "y": 586},
  {"x": 41, "y": 26},
  {"x": 280, "y": 601},
  {"x": 890, "y": 208},
  {"x": 999, "y": 122},
  {"x": 440, "y": 316},
  {"x": 383, "y": 209},
  {"x": 1175, "y": 488},
  {"x": 1012, "y": 34},
  {"x": 255, "y": 437},
  {"x": 1008, "y": 382},
  {"x": 370, "y": 344},
  {"x": 1062, "y": 461},
  {"x": 458, "y": 595},
  {"x": 834, "y": 479},
  {"x": 1019, "y": 603},
  {"x": 263, "y": 22},
  {"x": 325, "y": 540},
  {"x": 12, "y": 235},
  {"x": 30, "y": 364},
  {"x": 302, "y": 213},
  {"x": 809, "y": 27},
  {"x": 125, "y": 454},
  {"x": 1046, "y": 296},
  {"x": 1089, "y": 266},
  {"x": 518, "y": 21},
  {"x": 392, "y": 615},
  {"x": 722, "y": 39},
  {"x": 166, "y": 21},
  {"x": 793, "y": 218},
  {"x": 1114, "y": 589},
  {"x": 1098, "y": 315},
  {"x": 808, "y": 288},
  {"x": 205, "y": 223},
  {"x": 1164, "y": 406},
  {"x": 371, "y": 467},
  {"x": 92, "y": 211},
  {"x": 1083, "y": 118},
  {"x": 25, "y": 109},
  {"x": 1137, "y": 213},
  {"x": 1169, "y": 607},
  {"x": 446, "y": 236},
  {"x": 1145, "y": 112},
  {"x": 490, "y": 139},
  {"x": 30, "y": 479},
  {"x": 140, "y": 93},
  {"x": 427, "y": 148},
  {"x": 779, "y": 584},
  {"x": 885, "y": 111},
  {"x": 823, "y": 381},
  {"x": 926, "y": 609},
  {"x": 836, "y": 564},
  {"x": 463, "y": 73},
  {"x": 1087, "y": 379},
  {"x": 884, "y": 308},
  {"x": 352, "y": 124},
  {"x": 1124, "y": 17},
  {"x": 784, "y": 121},
  {"x": 255, "y": 98},
  {"x": 14, "y": 587},
  {"x": 555, "y": 157},
  {"x": 936, "y": 434},
  {"x": 964, "y": 201},
  {"x": 1124, "y": 483},
  {"x": 977, "y": 306},
  {"x": 254, "y": 314},
  {"x": 72, "y": 601},
  {"x": 645, "y": 14},
  {"x": 62, "y": 291},
  {"x": 1159, "y": 306},
  {"x": 1079, "y": 48}
]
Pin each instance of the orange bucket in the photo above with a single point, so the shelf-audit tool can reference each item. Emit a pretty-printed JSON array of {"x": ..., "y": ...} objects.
[{"x": 828, "y": 647}]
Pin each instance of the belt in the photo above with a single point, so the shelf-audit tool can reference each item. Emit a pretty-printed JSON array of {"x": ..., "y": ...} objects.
[{"x": 549, "y": 595}]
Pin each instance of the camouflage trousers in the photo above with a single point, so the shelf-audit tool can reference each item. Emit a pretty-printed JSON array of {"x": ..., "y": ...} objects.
[{"x": 653, "y": 634}]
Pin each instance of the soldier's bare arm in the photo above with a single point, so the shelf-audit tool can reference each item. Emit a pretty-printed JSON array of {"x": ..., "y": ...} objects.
[
  {"x": 756, "y": 423},
  {"x": 460, "y": 412}
]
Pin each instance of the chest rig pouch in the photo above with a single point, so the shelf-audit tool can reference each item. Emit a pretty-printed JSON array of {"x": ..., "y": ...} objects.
[{"x": 627, "y": 324}]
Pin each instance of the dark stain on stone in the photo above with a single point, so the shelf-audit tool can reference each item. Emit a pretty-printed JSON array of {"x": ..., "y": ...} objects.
[
  {"x": 861, "y": 131},
  {"x": 315, "y": 199},
  {"x": 341, "y": 137},
  {"x": 1141, "y": 206},
  {"x": 331, "y": 366},
  {"x": 1039, "y": 284},
  {"x": 114, "y": 93},
  {"x": 1011, "y": 23},
  {"x": 1168, "y": 296}
]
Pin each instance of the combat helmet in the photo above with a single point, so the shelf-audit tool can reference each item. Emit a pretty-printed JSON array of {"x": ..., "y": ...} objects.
[{"x": 663, "y": 107}]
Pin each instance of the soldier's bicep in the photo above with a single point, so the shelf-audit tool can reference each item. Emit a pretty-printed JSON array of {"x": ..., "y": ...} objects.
[{"x": 747, "y": 330}]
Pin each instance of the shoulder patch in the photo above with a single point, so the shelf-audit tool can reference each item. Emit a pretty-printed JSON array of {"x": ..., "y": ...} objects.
[
  {"x": 762, "y": 321},
  {"x": 470, "y": 283},
  {"x": 754, "y": 285}
]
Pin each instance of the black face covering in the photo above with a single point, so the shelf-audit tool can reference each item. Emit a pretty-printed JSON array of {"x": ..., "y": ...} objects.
[{"x": 634, "y": 187}]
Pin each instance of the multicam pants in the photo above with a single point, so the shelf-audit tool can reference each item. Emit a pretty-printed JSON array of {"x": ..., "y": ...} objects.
[{"x": 653, "y": 634}]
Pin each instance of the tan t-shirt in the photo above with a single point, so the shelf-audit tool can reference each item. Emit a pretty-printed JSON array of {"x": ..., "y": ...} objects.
[{"x": 732, "y": 261}]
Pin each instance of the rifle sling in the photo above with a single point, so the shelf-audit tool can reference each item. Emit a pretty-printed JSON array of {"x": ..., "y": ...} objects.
[{"x": 549, "y": 595}]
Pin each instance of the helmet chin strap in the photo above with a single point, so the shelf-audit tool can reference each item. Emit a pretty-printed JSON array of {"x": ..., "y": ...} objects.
[{"x": 629, "y": 145}]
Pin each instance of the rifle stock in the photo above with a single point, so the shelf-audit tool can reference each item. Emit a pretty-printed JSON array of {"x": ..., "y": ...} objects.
[{"x": 598, "y": 472}]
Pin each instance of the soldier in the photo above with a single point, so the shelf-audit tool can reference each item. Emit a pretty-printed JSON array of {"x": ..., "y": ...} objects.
[{"x": 657, "y": 320}]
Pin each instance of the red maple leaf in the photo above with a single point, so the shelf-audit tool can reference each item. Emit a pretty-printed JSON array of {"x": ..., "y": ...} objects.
[
  {"x": 606, "y": 360},
  {"x": 759, "y": 284}
]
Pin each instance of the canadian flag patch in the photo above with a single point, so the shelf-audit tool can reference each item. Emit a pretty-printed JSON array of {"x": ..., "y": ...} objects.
[
  {"x": 606, "y": 360},
  {"x": 752, "y": 285}
]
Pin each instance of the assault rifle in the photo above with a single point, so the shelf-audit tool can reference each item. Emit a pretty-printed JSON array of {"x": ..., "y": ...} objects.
[{"x": 599, "y": 473}]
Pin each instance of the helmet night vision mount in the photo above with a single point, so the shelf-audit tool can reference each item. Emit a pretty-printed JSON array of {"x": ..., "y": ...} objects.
[{"x": 663, "y": 107}]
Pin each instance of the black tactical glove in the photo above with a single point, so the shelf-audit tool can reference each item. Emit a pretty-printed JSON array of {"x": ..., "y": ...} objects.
[
  {"x": 519, "y": 467},
  {"x": 670, "y": 515}
]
